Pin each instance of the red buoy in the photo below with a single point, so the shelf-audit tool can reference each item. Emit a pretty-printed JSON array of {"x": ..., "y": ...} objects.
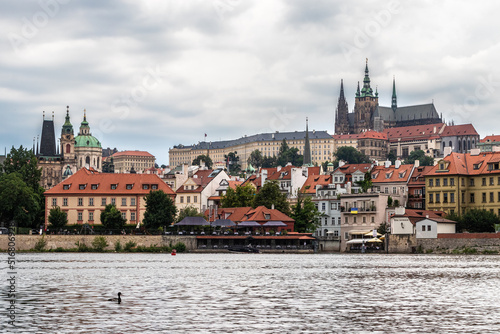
[{"x": 174, "y": 252}]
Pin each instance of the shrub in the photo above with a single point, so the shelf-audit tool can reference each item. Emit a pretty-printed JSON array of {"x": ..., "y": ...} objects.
[
  {"x": 40, "y": 245},
  {"x": 129, "y": 245},
  {"x": 99, "y": 243},
  {"x": 180, "y": 247},
  {"x": 82, "y": 247},
  {"x": 118, "y": 246}
]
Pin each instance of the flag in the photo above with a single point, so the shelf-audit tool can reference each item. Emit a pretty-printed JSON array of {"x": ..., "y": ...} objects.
[{"x": 354, "y": 210}]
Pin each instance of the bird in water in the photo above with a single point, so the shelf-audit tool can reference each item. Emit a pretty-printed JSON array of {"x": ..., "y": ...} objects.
[{"x": 119, "y": 299}]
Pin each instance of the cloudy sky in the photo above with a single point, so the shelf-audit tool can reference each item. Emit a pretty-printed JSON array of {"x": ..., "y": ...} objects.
[{"x": 156, "y": 73}]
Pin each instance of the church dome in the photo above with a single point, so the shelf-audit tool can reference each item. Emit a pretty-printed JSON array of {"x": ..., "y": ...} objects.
[{"x": 87, "y": 141}]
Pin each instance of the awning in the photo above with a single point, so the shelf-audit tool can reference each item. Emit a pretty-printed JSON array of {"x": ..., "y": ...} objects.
[
  {"x": 192, "y": 221},
  {"x": 370, "y": 234},
  {"x": 374, "y": 240},
  {"x": 249, "y": 223},
  {"x": 274, "y": 223},
  {"x": 360, "y": 232},
  {"x": 223, "y": 222},
  {"x": 356, "y": 241}
]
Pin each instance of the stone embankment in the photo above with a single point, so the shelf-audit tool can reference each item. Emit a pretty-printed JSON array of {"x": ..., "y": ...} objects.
[{"x": 27, "y": 242}]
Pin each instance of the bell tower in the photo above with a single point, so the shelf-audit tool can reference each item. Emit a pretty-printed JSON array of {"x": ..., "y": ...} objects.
[
  {"x": 67, "y": 139},
  {"x": 365, "y": 105}
]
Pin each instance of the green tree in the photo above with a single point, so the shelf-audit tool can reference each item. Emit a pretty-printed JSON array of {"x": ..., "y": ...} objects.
[
  {"x": 232, "y": 161},
  {"x": 57, "y": 218},
  {"x": 269, "y": 162},
  {"x": 392, "y": 157},
  {"x": 419, "y": 155},
  {"x": 287, "y": 154},
  {"x": 270, "y": 194},
  {"x": 205, "y": 158},
  {"x": 256, "y": 159},
  {"x": 242, "y": 196},
  {"x": 188, "y": 211},
  {"x": 478, "y": 221},
  {"x": 306, "y": 215},
  {"x": 350, "y": 155},
  {"x": 18, "y": 202},
  {"x": 366, "y": 183},
  {"x": 160, "y": 210},
  {"x": 23, "y": 162},
  {"x": 111, "y": 218}
]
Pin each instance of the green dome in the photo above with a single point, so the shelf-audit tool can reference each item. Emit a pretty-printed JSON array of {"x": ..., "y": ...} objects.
[{"x": 87, "y": 141}]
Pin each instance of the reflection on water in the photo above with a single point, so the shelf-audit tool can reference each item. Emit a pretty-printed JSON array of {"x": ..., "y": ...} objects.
[{"x": 256, "y": 293}]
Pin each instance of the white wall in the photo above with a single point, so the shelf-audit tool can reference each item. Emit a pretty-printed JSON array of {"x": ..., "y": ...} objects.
[{"x": 432, "y": 234}]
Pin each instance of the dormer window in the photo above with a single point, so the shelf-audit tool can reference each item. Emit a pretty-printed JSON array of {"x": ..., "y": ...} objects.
[
  {"x": 66, "y": 186},
  {"x": 145, "y": 186},
  {"x": 267, "y": 216},
  {"x": 94, "y": 186},
  {"x": 82, "y": 186},
  {"x": 129, "y": 186},
  {"x": 114, "y": 186},
  {"x": 154, "y": 186}
]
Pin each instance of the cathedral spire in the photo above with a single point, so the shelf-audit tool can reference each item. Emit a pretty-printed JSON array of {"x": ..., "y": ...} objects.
[
  {"x": 307, "y": 147},
  {"x": 394, "y": 104},
  {"x": 367, "y": 90},
  {"x": 357, "y": 91},
  {"x": 341, "y": 113},
  {"x": 67, "y": 127}
]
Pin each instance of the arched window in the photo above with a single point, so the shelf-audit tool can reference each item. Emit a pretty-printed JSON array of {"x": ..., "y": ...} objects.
[
  {"x": 87, "y": 161},
  {"x": 450, "y": 144},
  {"x": 468, "y": 143},
  {"x": 464, "y": 146},
  {"x": 68, "y": 148}
]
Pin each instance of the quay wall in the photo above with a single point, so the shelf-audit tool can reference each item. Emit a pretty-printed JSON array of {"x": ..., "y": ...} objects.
[
  {"x": 446, "y": 243},
  {"x": 27, "y": 242}
]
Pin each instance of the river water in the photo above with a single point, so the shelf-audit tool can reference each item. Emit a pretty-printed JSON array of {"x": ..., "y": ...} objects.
[{"x": 254, "y": 293}]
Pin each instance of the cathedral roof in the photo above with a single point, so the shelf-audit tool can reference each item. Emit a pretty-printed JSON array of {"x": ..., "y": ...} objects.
[
  {"x": 408, "y": 113},
  {"x": 87, "y": 141}
]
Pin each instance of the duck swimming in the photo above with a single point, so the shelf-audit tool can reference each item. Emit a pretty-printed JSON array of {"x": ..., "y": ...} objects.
[{"x": 119, "y": 299}]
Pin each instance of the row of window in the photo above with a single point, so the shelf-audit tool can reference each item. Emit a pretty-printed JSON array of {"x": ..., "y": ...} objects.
[
  {"x": 188, "y": 199},
  {"x": 355, "y": 219},
  {"x": 91, "y": 201},
  {"x": 324, "y": 221},
  {"x": 485, "y": 197},
  {"x": 112, "y": 186},
  {"x": 485, "y": 181},
  {"x": 91, "y": 216}
]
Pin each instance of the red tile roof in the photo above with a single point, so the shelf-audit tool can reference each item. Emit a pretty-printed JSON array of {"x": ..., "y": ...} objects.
[
  {"x": 103, "y": 182},
  {"x": 418, "y": 177},
  {"x": 249, "y": 214},
  {"x": 133, "y": 153},
  {"x": 348, "y": 169},
  {"x": 416, "y": 215},
  {"x": 312, "y": 181},
  {"x": 380, "y": 174},
  {"x": 490, "y": 139},
  {"x": 414, "y": 132},
  {"x": 467, "y": 164},
  {"x": 459, "y": 130},
  {"x": 370, "y": 134}
]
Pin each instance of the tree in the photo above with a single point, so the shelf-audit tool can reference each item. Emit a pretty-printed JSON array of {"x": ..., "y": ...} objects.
[
  {"x": 205, "y": 158},
  {"x": 111, "y": 218},
  {"x": 188, "y": 211},
  {"x": 57, "y": 218},
  {"x": 478, "y": 221},
  {"x": 270, "y": 194},
  {"x": 255, "y": 159},
  {"x": 350, "y": 155},
  {"x": 287, "y": 154},
  {"x": 23, "y": 162},
  {"x": 306, "y": 215},
  {"x": 392, "y": 157},
  {"x": 160, "y": 210},
  {"x": 232, "y": 161},
  {"x": 366, "y": 183},
  {"x": 241, "y": 197},
  {"x": 269, "y": 162},
  {"x": 18, "y": 202},
  {"x": 419, "y": 155}
]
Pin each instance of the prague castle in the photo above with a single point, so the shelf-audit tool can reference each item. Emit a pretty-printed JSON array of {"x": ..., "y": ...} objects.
[{"x": 368, "y": 115}]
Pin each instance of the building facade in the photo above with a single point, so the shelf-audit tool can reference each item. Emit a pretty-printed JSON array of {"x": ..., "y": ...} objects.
[
  {"x": 139, "y": 161},
  {"x": 85, "y": 194}
]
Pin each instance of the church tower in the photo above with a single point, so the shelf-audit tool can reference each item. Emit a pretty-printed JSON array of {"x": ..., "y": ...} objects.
[
  {"x": 341, "y": 118},
  {"x": 365, "y": 105},
  {"x": 67, "y": 139},
  {"x": 394, "y": 103},
  {"x": 307, "y": 148}
]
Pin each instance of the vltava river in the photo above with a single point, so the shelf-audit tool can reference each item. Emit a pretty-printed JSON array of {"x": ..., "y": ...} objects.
[{"x": 254, "y": 293}]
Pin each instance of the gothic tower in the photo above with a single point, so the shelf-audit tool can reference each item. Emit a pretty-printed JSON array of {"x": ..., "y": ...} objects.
[
  {"x": 365, "y": 105},
  {"x": 307, "y": 148},
  {"x": 394, "y": 103},
  {"x": 67, "y": 139},
  {"x": 341, "y": 118}
]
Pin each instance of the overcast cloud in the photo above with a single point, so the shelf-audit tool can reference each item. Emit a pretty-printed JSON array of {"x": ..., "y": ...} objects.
[{"x": 156, "y": 73}]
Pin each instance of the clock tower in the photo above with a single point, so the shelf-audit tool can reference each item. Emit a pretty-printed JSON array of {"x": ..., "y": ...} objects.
[{"x": 68, "y": 142}]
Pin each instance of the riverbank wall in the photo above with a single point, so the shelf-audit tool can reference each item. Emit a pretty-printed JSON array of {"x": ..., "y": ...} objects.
[
  {"x": 28, "y": 242},
  {"x": 445, "y": 243}
]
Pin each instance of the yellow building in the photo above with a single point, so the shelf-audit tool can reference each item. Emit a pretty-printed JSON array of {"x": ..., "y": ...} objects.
[
  {"x": 125, "y": 160},
  {"x": 464, "y": 181}
]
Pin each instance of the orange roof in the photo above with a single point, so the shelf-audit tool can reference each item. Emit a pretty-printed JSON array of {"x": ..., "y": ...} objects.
[
  {"x": 133, "y": 153},
  {"x": 414, "y": 132},
  {"x": 467, "y": 164},
  {"x": 380, "y": 174},
  {"x": 418, "y": 175},
  {"x": 346, "y": 136},
  {"x": 89, "y": 182},
  {"x": 370, "y": 134},
  {"x": 234, "y": 184},
  {"x": 259, "y": 215},
  {"x": 312, "y": 181},
  {"x": 491, "y": 139},
  {"x": 348, "y": 169},
  {"x": 416, "y": 215}
]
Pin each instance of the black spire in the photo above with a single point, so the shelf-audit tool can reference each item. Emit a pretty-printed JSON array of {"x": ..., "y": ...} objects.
[
  {"x": 341, "y": 114},
  {"x": 307, "y": 147},
  {"x": 394, "y": 104}
]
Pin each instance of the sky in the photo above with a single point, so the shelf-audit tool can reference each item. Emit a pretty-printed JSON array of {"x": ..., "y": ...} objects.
[{"x": 152, "y": 74}]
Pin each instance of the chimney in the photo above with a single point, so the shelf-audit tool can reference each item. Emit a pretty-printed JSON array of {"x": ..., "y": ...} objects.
[
  {"x": 417, "y": 163},
  {"x": 387, "y": 164},
  {"x": 263, "y": 177},
  {"x": 397, "y": 163},
  {"x": 341, "y": 163}
]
